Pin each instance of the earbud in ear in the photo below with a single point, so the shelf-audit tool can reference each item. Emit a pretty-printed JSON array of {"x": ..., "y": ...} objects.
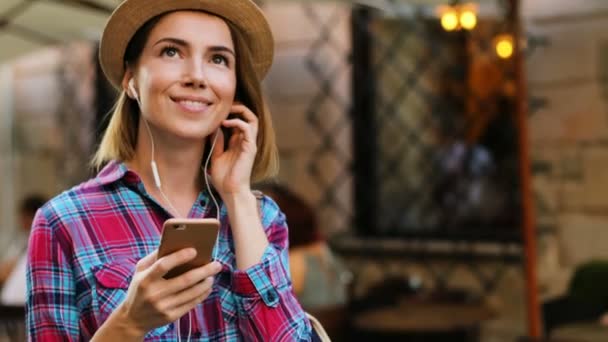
[{"x": 132, "y": 89}]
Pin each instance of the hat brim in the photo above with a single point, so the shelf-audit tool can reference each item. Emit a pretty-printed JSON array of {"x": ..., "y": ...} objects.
[{"x": 131, "y": 15}]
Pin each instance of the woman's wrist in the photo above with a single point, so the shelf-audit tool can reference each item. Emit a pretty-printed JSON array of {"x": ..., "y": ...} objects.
[
  {"x": 121, "y": 324},
  {"x": 250, "y": 240},
  {"x": 240, "y": 199}
]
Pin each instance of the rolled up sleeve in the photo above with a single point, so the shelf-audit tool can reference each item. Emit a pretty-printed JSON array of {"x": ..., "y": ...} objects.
[{"x": 267, "y": 307}]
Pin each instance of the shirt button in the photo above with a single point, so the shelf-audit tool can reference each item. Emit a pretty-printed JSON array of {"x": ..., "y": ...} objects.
[
  {"x": 270, "y": 296},
  {"x": 203, "y": 203}
]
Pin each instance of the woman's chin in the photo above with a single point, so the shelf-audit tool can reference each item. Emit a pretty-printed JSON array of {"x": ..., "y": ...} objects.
[{"x": 191, "y": 136}]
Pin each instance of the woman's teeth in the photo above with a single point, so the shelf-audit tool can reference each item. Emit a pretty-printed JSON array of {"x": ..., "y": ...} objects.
[{"x": 193, "y": 105}]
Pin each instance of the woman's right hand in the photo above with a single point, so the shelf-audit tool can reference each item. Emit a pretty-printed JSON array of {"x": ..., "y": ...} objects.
[{"x": 153, "y": 301}]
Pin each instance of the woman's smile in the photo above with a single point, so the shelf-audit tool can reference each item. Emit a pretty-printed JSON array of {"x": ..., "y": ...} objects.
[{"x": 192, "y": 104}]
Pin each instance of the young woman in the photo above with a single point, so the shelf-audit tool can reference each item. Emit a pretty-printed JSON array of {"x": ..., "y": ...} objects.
[{"x": 183, "y": 67}]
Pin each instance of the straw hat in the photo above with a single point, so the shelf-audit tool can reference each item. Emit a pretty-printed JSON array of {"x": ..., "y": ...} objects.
[{"x": 130, "y": 15}]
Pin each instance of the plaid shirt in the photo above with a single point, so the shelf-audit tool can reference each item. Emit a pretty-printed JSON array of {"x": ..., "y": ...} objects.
[{"x": 84, "y": 246}]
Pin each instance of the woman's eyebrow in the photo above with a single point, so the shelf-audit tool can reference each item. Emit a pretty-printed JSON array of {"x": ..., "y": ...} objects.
[
  {"x": 220, "y": 48},
  {"x": 175, "y": 41}
]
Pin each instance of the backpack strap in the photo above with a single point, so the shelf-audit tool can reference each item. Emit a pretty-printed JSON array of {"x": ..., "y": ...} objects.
[{"x": 319, "y": 333}]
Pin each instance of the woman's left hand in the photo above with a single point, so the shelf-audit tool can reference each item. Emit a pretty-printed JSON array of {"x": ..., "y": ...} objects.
[{"x": 231, "y": 168}]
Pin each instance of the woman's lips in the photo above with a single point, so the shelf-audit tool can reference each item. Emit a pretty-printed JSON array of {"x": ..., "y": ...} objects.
[{"x": 192, "y": 105}]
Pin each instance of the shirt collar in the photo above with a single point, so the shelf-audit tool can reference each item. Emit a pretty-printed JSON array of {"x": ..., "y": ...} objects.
[
  {"x": 117, "y": 170},
  {"x": 112, "y": 172}
]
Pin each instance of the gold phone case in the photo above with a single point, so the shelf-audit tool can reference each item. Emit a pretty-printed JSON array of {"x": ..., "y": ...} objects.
[{"x": 182, "y": 233}]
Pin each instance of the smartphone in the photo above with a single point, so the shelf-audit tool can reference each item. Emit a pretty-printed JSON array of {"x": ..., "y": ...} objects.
[{"x": 199, "y": 234}]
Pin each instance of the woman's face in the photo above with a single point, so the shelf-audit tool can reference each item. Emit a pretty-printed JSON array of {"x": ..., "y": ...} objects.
[{"x": 186, "y": 75}]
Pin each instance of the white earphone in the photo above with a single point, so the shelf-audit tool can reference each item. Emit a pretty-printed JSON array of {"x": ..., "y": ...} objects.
[
  {"x": 152, "y": 162},
  {"x": 131, "y": 87}
]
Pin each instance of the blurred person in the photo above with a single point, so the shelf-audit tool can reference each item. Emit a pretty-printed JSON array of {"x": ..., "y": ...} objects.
[
  {"x": 12, "y": 269},
  {"x": 319, "y": 277},
  {"x": 465, "y": 189},
  {"x": 182, "y": 66}
]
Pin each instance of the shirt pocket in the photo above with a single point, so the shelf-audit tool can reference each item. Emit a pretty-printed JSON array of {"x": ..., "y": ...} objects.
[{"x": 111, "y": 283}]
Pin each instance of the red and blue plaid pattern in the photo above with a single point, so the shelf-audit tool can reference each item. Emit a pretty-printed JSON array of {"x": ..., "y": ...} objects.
[{"x": 82, "y": 254}]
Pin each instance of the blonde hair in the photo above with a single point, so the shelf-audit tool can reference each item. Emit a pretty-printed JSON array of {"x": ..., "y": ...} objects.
[{"x": 120, "y": 138}]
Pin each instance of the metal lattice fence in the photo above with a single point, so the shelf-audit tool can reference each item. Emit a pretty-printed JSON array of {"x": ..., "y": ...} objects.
[
  {"x": 433, "y": 124},
  {"x": 431, "y": 119}
]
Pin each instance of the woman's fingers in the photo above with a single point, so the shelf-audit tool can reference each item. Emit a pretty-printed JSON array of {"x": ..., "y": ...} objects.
[
  {"x": 167, "y": 288},
  {"x": 181, "y": 310},
  {"x": 243, "y": 127},
  {"x": 245, "y": 112},
  {"x": 191, "y": 278},
  {"x": 202, "y": 289},
  {"x": 247, "y": 115},
  {"x": 169, "y": 262},
  {"x": 146, "y": 261}
]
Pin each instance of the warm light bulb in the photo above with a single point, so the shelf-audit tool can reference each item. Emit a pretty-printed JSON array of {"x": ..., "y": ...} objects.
[
  {"x": 468, "y": 19},
  {"x": 449, "y": 20},
  {"x": 504, "y": 47}
]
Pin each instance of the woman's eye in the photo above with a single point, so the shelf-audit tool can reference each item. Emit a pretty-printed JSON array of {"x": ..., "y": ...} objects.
[
  {"x": 169, "y": 52},
  {"x": 219, "y": 59}
]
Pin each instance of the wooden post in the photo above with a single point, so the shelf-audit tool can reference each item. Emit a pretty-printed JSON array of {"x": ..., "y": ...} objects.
[{"x": 528, "y": 222}]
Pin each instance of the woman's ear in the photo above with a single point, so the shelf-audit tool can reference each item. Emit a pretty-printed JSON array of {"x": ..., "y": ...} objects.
[
  {"x": 126, "y": 79},
  {"x": 132, "y": 89}
]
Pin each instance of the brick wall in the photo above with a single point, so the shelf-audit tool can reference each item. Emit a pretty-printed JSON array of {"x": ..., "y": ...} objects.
[{"x": 569, "y": 135}]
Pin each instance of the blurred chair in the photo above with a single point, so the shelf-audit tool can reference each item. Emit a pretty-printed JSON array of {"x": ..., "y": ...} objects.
[
  {"x": 580, "y": 332},
  {"x": 393, "y": 310},
  {"x": 583, "y": 304}
]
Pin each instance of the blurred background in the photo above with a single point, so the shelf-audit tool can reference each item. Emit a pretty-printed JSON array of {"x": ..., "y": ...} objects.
[{"x": 443, "y": 161}]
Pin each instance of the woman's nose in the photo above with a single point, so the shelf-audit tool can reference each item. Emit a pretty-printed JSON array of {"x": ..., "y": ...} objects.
[{"x": 194, "y": 75}]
